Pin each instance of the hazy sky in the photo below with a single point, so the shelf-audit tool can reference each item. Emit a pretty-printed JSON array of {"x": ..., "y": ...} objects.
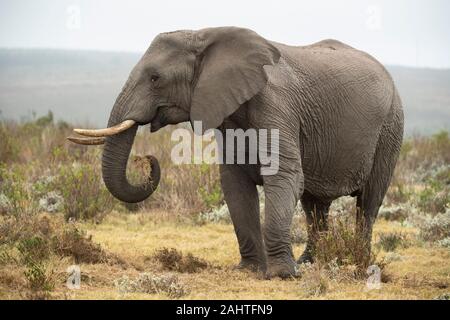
[{"x": 402, "y": 32}]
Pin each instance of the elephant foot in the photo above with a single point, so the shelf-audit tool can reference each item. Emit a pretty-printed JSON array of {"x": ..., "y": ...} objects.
[
  {"x": 306, "y": 257},
  {"x": 282, "y": 268},
  {"x": 251, "y": 264}
]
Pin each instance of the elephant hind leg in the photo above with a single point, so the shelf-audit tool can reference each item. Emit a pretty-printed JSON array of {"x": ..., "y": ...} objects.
[
  {"x": 372, "y": 193},
  {"x": 316, "y": 212}
]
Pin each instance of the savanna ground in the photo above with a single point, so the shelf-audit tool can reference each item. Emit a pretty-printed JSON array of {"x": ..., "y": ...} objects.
[{"x": 55, "y": 213}]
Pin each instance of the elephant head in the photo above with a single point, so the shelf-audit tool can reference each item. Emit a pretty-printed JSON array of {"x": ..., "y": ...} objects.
[{"x": 200, "y": 75}]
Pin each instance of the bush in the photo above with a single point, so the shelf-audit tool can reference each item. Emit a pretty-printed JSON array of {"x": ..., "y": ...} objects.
[
  {"x": 216, "y": 215},
  {"x": 445, "y": 243},
  {"x": 52, "y": 202},
  {"x": 433, "y": 228},
  {"x": 16, "y": 193},
  {"x": 436, "y": 195},
  {"x": 422, "y": 173},
  {"x": 38, "y": 237},
  {"x": 343, "y": 245},
  {"x": 395, "y": 213},
  {"x": 85, "y": 196},
  {"x": 34, "y": 248},
  {"x": 32, "y": 244},
  {"x": 40, "y": 278},
  {"x": 8, "y": 145}
]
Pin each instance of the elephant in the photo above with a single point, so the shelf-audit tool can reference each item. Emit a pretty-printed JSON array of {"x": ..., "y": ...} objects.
[{"x": 336, "y": 108}]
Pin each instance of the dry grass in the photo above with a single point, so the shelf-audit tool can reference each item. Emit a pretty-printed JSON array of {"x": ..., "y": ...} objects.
[
  {"x": 174, "y": 260},
  {"x": 343, "y": 246},
  {"x": 124, "y": 255},
  {"x": 418, "y": 272}
]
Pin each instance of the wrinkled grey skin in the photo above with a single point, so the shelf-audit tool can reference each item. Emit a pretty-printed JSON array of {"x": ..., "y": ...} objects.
[{"x": 337, "y": 110}]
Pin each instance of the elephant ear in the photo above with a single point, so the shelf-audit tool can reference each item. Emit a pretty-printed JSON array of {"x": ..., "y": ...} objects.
[{"x": 231, "y": 72}]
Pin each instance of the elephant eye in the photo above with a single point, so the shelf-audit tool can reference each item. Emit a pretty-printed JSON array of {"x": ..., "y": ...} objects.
[{"x": 154, "y": 78}]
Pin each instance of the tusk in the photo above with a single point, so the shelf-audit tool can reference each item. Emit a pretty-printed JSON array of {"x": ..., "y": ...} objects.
[
  {"x": 108, "y": 131},
  {"x": 87, "y": 141}
]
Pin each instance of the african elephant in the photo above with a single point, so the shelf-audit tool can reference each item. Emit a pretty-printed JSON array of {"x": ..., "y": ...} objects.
[{"x": 338, "y": 113}]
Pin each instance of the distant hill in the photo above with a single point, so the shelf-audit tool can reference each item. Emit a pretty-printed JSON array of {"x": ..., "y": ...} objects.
[
  {"x": 81, "y": 86},
  {"x": 78, "y": 86}
]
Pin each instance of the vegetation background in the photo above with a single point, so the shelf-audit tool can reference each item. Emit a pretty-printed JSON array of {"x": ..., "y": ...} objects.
[{"x": 55, "y": 211}]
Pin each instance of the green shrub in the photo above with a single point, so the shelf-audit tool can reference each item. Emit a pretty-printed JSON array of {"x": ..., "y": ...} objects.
[
  {"x": 45, "y": 121},
  {"x": 17, "y": 196},
  {"x": 216, "y": 215},
  {"x": 85, "y": 196},
  {"x": 40, "y": 278},
  {"x": 34, "y": 248},
  {"x": 445, "y": 243},
  {"x": 209, "y": 186},
  {"x": 8, "y": 146},
  {"x": 435, "y": 197},
  {"x": 398, "y": 212},
  {"x": 435, "y": 228}
]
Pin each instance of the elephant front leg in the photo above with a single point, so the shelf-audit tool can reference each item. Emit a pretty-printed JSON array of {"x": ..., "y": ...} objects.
[
  {"x": 242, "y": 199},
  {"x": 282, "y": 192}
]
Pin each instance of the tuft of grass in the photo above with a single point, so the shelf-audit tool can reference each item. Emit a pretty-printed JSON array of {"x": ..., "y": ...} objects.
[
  {"x": 318, "y": 278},
  {"x": 444, "y": 296},
  {"x": 299, "y": 234},
  {"x": 152, "y": 284},
  {"x": 40, "y": 279},
  {"x": 75, "y": 243},
  {"x": 173, "y": 260},
  {"x": 395, "y": 212},
  {"x": 315, "y": 280},
  {"x": 391, "y": 241},
  {"x": 343, "y": 245}
]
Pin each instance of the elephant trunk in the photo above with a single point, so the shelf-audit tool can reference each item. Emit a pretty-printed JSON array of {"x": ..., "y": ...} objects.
[{"x": 114, "y": 164}]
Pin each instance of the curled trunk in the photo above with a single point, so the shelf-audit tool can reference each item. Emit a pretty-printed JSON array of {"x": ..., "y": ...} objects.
[{"x": 114, "y": 165}]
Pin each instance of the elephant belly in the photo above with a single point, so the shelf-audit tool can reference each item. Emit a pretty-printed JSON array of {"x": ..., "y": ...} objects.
[
  {"x": 333, "y": 177},
  {"x": 338, "y": 161}
]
